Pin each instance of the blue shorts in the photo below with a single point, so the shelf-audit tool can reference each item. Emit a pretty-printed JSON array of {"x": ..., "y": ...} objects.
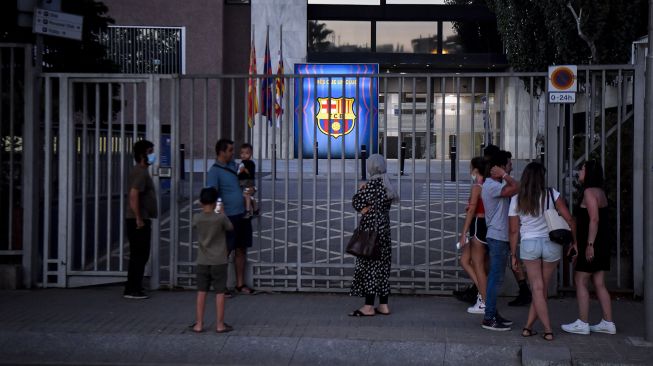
[{"x": 540, "y": 248}]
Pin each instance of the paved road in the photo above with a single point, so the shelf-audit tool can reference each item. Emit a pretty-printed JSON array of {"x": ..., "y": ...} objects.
[{"x": 96, "y": 326}]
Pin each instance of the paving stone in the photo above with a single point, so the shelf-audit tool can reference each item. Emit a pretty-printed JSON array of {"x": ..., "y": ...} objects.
[
  {"x": 314, "y": 351},
  {"x": 470, "y": 354},
  {"x": 545, "y": 356},
  {"x": 257, "y": 351},
  {"x": 406, "y": 353}
]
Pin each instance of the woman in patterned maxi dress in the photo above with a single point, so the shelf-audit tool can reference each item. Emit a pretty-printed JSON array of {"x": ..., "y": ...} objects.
[{"x": 373, "y": 200}]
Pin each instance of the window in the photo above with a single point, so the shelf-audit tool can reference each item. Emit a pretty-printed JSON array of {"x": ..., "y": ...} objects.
[
  {"x": 415, "y": 2},
  {"x": 407, "y": 37},
  {"x": 343, "y": 2},
  {"x": 470, "y": 37},
  {"x": 146, "y": 50},
  {"x": 339, "y": 36}
]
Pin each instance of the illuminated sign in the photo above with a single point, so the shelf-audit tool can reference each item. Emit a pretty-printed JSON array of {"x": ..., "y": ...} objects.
[{"x": 333, "y": 112}]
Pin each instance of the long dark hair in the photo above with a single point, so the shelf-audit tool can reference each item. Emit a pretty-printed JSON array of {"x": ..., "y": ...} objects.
[
  {"x": 478, "y": 163},
  {"x": 593, "y": 174},
  {"x": 532, "y": 190}
]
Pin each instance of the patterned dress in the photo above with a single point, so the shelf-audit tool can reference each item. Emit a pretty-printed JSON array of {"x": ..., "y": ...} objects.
[{"x": 371, "y": 275}]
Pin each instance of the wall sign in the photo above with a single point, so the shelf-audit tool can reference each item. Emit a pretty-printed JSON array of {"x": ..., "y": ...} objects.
[{"x": 332, "y": 109}]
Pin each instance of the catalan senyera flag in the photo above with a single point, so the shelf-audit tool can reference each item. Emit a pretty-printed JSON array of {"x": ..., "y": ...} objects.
[
  {"x": 266, "y": 84},
  {"x": 252, "y": 95},
  {"x": 279, "y": 90}
]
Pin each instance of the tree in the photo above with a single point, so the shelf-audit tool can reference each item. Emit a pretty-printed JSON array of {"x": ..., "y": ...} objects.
[
  {"x": 542, "y": 33},
  {"x": 61, "y": 54},
  {"x": 317, "y": 36}
]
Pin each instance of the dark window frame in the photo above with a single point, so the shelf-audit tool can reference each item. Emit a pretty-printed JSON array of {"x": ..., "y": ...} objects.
[{"x": 430, "y": 13}]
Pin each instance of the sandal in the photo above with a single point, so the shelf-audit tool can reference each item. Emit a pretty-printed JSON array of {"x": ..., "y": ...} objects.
[
  {"x": 192, "y": 328},
  {"x": 244, "y": 290},
  {"x": 547, "y": 336},
  {"x": 227, "y": 328},
  {"x": 527, "y": 332},
  {"x": 377, "y": 311},
  {"x": 357, "y": 313}
]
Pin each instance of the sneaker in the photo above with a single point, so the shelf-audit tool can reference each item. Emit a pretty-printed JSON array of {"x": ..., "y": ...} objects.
[
  {"x": 135, "y": 295},
  {"x": 478, "y": 308},
  {"x": 604, "y": 327},
  {"x": 503, "y": 320},
  {"x": 495, "y": 325},
  {"x": 577, "y": 327}
]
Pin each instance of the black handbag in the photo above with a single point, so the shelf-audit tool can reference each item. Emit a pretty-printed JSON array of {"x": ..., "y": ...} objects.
[{"x": 364, "y": 244}]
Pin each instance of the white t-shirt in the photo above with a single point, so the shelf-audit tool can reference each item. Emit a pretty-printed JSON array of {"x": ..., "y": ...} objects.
[{"x": 532, "y": 226}]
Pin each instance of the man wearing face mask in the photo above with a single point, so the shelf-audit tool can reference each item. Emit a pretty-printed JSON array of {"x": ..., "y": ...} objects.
[{"x": 141, "y": 209}]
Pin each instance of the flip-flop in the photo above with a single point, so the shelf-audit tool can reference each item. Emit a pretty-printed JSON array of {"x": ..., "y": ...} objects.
[
  {"x": 227, "y": 328},
  {"x": 192, "y": 328},
  {"x": 357, "y": 313},
  {"x": 377, "y": 311},
  {"x": 528, "y": 332}
]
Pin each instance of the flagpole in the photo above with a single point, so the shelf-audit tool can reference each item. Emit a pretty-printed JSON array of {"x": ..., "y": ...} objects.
[
  {"x": 278, "y": 123},
  {"x": 266, "y": 91}
]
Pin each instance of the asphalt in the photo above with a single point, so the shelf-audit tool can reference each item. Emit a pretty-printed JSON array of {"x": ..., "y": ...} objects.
[{"x": 96, "y": 326}]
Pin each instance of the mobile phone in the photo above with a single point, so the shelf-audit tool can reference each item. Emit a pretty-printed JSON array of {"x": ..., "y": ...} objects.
[{"x": 572, "y": 254}]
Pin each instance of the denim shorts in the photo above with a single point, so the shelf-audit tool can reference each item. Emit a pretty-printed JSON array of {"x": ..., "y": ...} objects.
[{"x": 540, "y": 248}]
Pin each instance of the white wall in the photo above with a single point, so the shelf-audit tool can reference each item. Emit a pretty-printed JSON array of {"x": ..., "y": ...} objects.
[{"x": 292, "y": 14}]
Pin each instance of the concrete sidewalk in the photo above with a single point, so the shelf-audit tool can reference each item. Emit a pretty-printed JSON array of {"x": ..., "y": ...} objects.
[{"x": 97, "y": 326}]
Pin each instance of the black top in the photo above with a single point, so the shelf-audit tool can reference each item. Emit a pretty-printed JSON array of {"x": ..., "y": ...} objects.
[{"x": 251, "y": 170}]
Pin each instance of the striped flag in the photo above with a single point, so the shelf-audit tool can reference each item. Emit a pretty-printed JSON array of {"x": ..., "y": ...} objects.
[
  {"x": 279, "y": 89},
  {"x": 252, "y": 95},
  {"x": 266, "y": 84}
]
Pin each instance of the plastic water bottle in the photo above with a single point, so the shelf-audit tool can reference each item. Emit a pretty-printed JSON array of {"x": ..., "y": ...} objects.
[
  {"x": 218, "y": 205},
  {"x": 458, "y": 247}
]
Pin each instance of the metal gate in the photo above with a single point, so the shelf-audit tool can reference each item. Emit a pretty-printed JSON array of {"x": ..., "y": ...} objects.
[{"x": 438, "y": 122}]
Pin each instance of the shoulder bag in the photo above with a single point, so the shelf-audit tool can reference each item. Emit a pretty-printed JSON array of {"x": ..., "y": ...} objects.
[
  {"x": 559, "y": 231},
  {"x": 364, "y": 244}
]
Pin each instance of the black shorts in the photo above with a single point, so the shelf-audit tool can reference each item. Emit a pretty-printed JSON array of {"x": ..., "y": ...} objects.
[
  {"x": 241, "y": 236},
  {"x": 212, "y": 275},
  {"x": 478, "y": 229}
]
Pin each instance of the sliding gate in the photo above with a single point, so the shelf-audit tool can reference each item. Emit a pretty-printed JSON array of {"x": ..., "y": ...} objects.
[{"x": 429, "y": 127}]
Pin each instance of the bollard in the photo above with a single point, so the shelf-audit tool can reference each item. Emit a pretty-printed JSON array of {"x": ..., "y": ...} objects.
[
  {"x": 402, "y": 158},
  {"x": 452, "y": 156},
  {"x": 363, "y": 162},
  {"x": 182, "y": 155}
]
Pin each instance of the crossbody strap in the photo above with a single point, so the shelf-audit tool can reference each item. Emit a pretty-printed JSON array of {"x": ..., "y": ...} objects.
[{"x": 224, "y": 168}]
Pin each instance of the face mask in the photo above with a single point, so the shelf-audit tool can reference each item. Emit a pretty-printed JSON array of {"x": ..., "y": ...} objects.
[
  {"x": 151, "y": 158},
  {"x": 473, "y": 178}
]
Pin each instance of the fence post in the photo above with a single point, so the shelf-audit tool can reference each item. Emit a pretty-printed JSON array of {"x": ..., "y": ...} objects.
[
  {"x": 402, "y": 158},
  {"x": 648, "y": 175},
  {"x": 363, "y": 162}
]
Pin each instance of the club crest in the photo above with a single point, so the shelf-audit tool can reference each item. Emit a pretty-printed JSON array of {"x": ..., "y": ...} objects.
[{"x": 342, "y": 118}]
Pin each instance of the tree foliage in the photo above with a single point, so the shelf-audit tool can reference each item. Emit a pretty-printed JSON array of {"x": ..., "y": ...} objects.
[
  {"x": 61, "y": 54},
  {"x": 541, "y": 33},
  {"x": 318, "y": 35}
]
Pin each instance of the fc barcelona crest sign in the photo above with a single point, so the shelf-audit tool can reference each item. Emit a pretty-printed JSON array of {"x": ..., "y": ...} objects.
[
  {"x": 336, "y": 109},
  {"x": 337, "y": 119}
]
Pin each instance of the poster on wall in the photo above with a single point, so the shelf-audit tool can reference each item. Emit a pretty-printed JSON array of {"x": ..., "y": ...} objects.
[{"x": 332, "y": 109}]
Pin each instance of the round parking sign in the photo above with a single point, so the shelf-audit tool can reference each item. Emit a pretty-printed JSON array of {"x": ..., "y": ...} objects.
[{"x": 562, "y": 78}]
